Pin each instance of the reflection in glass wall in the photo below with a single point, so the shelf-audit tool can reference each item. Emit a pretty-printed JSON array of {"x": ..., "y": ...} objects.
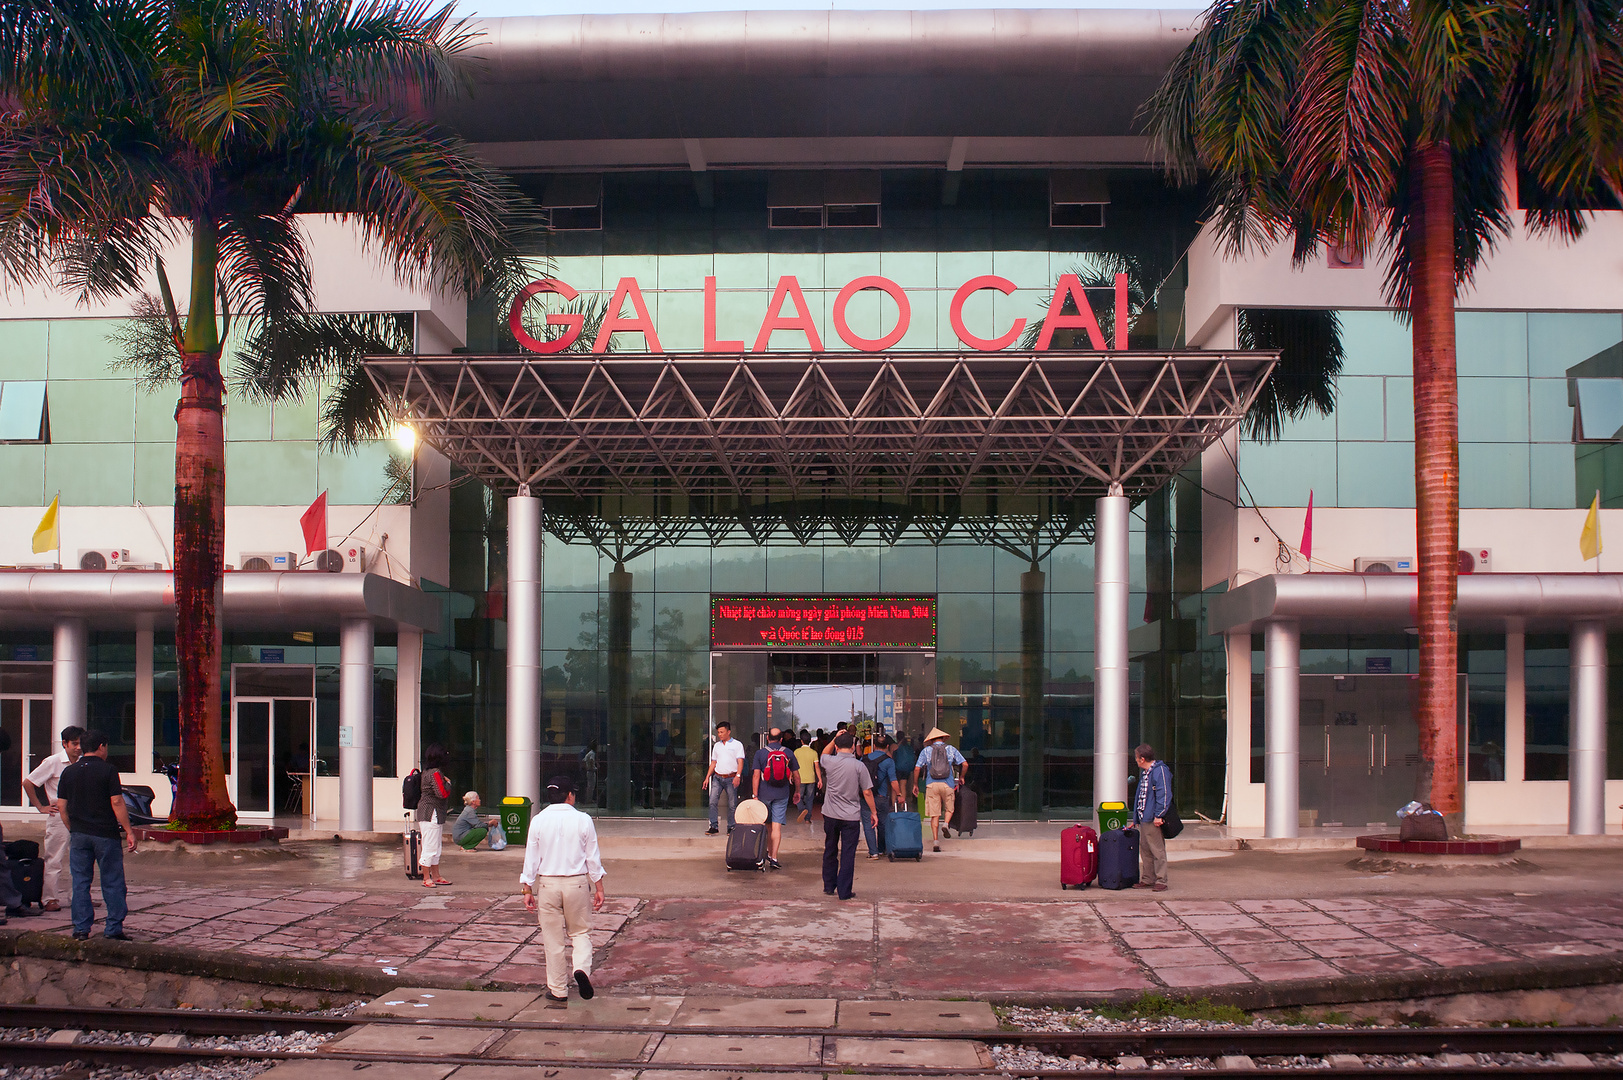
[{"x": 1549, "y": 688}]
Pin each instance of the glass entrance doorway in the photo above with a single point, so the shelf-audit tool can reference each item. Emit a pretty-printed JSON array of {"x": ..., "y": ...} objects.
[
  {"x": 273, "y": 764},
  {"x": 755, "y": 691},
  {"x": 25, "y": 717},
  {"x": 1360, "y": 748}
]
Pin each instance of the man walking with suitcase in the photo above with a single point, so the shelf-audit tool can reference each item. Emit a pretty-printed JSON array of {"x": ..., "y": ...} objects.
[
  {"x": 886, "y": 790},
  {"x": 1150, "y": 807},
  {"x": 848, "y": 787},
  {"x": 777, "y": 780}
]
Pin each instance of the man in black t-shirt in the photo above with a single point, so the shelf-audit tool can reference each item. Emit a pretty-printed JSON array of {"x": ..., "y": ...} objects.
[{"x": 90, "y": 798}]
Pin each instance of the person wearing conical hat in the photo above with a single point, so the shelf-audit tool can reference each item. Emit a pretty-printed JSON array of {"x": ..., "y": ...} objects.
[{"x": 942, "y": 768}]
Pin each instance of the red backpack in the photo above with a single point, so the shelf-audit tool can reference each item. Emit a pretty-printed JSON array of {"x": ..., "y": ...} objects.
[{"x": 777, "y": 767}]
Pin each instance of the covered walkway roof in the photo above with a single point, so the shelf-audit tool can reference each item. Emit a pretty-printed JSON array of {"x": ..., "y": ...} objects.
[{"x": 887, "y": 426}]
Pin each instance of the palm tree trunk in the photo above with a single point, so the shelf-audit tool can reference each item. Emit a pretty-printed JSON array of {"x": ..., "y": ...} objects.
[
  {"x": 201, "y": 800},
  {"x": 1437, "y": 478}
]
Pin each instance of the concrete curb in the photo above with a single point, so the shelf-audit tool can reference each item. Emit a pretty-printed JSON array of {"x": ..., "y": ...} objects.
[{"x": 1554, "y": 973}]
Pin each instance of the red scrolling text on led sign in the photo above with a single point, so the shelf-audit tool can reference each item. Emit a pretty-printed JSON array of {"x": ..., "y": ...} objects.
[
  {"x": 1069, "y": 292},
  {"x": 822, "y": 622}
]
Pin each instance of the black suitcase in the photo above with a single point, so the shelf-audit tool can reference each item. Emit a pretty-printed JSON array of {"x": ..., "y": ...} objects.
[
  {"x": 29, "y": 877},
  {"x": 413, "y": 843},
  {"x": 746, "y": 848},
  {"x": 966, "y": 807},
  {"x": 1118, "y": 859},
  {"x": 22, "y": 849}
]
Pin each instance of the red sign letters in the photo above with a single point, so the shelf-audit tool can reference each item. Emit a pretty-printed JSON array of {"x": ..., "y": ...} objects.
[
  {"x": 822, "y": 622},
  {"x": 799, "y": 318}
]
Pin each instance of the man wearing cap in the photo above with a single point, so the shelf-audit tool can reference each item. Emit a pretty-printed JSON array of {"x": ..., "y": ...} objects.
[
  {"x": 942, "y": 767},
  {"x": 563, "y": 883}
]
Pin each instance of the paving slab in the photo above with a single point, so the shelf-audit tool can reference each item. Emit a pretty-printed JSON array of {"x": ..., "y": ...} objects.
[
  {"x": 576, "y": 1046},
  {"x": 426, "y": 1039},
  {"x": 618, "y": 1011},
  {"x": 737, "y": 1074},
  {"x": 739, "y": 1052},
  {"x": 739, "y": 1012},
  {"x": 316, "y": 1069},
  {"x": 421, "y": 1003},
  {"x": 530, "y": 1072},
  {"x": 846, "y": 1052},
  {"x": 916, "y": 1016}
]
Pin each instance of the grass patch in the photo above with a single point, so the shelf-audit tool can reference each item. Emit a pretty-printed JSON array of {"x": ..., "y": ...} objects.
[{"x": 1157, "y": 1007}]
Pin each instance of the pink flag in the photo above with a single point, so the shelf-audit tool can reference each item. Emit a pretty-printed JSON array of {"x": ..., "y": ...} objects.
[
  {"x": 314, "y": 523},
  {"x": 1307, "y": 533}
]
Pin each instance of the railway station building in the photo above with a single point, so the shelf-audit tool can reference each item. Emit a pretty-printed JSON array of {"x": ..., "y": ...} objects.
[{"x": 872, "y": 370}]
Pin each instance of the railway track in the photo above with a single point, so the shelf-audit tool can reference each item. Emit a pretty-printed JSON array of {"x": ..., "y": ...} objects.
[{"x": 1295, "y": 1050}]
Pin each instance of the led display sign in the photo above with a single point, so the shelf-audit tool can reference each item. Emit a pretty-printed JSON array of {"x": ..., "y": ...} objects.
[{"x": 822, "y": 622}]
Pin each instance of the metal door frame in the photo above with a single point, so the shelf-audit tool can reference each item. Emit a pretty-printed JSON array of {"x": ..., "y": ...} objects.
[
  {"x": 51, "y": 743},
  {"x": 270, "y": 748}
]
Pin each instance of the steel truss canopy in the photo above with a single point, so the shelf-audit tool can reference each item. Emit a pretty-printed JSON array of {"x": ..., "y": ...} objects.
[{"x": 800, "y": 440}]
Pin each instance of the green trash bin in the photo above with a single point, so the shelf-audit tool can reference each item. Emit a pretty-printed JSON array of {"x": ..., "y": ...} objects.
[
  {"x": 1112, "y": 815},
  {"x": 516, "y": 819}
]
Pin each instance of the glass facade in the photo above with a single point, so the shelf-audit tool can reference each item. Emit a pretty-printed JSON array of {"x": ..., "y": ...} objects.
[{"x": 1516, "y": 418}]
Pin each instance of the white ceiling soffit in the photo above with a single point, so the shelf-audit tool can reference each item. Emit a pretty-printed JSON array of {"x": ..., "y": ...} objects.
[{"x": 900, "y": 152}]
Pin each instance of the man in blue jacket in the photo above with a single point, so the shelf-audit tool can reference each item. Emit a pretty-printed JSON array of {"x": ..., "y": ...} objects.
[{"x": 1150, "y": 806}]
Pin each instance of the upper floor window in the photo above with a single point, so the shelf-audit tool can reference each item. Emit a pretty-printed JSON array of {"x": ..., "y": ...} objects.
[
  {"x": 1595, "y": 393},
  {"x": 23, "y": 413},
  {"x": 574, "y": 202},
  {"x": 823, "y": 200}
]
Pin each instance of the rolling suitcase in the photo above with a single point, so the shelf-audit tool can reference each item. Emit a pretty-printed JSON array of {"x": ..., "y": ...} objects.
[
  {"x": 746, "y": 848},
  {"x": 28, "y": 875},
  {"x": 412, "y": 841},
  {"x": 904, "y": 836},
  {"x": 1078, "y": 857},
  {"x": 1118, "y": 859},
  {"x": 965, "y": 812}
]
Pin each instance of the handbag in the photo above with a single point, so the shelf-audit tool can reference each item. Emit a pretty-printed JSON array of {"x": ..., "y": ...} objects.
[{"x": 1171, "y": 823}]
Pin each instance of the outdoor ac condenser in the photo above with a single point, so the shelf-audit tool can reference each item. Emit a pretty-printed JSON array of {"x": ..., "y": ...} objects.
[
  {"x": 103, "y": 558},
  {"x": 268, "y": 560},
  {"x": 350, "y": 559},
  {"x": 1384, "y": 564}
]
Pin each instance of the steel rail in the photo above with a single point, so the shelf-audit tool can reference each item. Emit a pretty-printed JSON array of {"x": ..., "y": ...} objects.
[
  {"x": 149, "y": 1057},
  {"x": 1151, "y": 1042}
]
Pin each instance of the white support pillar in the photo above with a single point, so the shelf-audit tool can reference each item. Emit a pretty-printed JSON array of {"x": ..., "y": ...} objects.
[
  {"x": 143, "y": 700},
  {"x": 1515, "y": 707},
  {"x": 1282, "y": 693},
  {"x": 355, "y": 649},
  {"x": 524, "y": 645},
  {"x": 70, "y": 675},
  {"x": 1110, "y": 583},
  {"x": 1586, "y": 733}
]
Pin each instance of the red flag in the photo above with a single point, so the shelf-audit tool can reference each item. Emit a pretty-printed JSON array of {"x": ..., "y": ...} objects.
[
  {"x": 314, "y": 523},
  {"x": 1307, "y": 533}
]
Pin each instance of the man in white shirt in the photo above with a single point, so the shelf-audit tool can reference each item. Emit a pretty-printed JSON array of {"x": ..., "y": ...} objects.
[
  {"x": 563, "y": 883},
  {"x": 721, "y": 778},
  {"x": 41, "y": 788}
]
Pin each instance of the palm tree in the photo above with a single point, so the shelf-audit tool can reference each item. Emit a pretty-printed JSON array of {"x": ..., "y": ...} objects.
[
  {"x": 1387, "y": 125},
  {"x": 129, "y": 124}
]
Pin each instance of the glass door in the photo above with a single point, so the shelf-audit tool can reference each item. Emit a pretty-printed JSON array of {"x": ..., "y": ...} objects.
[
  {"x": 251, "y": 757},
  {"x": 272, "y": 740},
  {"x": 26, "y": 722}
]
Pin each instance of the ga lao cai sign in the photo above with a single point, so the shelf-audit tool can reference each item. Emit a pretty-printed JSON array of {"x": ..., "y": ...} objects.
[
  {"x": 788, "y": 293},
  {"x": 822, "y": 622}
]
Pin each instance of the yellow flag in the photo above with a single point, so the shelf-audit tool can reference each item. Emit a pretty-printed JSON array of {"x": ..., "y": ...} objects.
[
  {"x": 1589, "y": 540},
  {"x": 46, "y": 536}
]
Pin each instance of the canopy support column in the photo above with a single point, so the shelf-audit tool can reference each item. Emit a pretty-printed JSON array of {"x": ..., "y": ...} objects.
[
  {"x": 355, "y": 660},
  {"x": 1110, "y": 583},
  {"x": 1282, "y": 690},
  {"x": 524, "y": 645},
  {"x": 1586, "y": 740},
  {"x": 1032, "y": 728},
  {"x": 70, "y": 674}
]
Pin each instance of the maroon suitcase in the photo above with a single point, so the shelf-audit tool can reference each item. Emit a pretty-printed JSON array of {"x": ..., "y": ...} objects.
[{"x": 1078, "y": 857}]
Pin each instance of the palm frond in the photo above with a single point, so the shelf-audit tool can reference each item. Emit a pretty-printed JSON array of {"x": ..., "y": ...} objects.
[
  {"x": 146, "y": 347},
  {"x": 282, "y": 359},
  {"x": 1310, "y": 359},
  {"x": 353, "y": 412}
]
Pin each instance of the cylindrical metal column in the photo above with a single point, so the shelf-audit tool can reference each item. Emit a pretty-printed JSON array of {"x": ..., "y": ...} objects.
[
  {"x": 1032, "y": 727},
  {"x": 619, "y": 690},
  {"x": 1110, "y": 647},
  {"x": 524, "y": 645},
  {"x": 70, "y": 675},
  {"x": 1586, "y": 737},
  {"x": 1282, "y": 695},
  {"x": 355, "y": 641}
]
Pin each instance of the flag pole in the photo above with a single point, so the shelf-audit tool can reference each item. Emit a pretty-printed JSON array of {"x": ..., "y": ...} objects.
[{"x": 58, "y": 502}]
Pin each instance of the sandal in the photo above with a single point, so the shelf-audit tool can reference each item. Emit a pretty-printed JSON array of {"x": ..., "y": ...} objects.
[
  {"x": 428, "y": 884},
  {"x": 52, "y": 905},
  {"x": 441, "y": 881}
]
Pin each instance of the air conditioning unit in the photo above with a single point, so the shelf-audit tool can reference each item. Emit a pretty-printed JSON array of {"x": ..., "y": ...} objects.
[
  {"x": 1384, "y": 564},
  {"x": 143, "y": 566},
  {"x": 350, "y": 559},
  {"x": 1476, "y": 560},
  {"x": 103, "y": 558},
  {"x": 268, "y": 560}
]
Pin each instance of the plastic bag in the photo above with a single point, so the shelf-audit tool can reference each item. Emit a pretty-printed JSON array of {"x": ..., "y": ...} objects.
[{"x": 1410, "y": 808}]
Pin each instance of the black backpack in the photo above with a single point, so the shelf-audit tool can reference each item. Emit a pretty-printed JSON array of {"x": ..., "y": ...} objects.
[
  {"x": 873, "y": 771},
  {"x": 411, "y": 789}
]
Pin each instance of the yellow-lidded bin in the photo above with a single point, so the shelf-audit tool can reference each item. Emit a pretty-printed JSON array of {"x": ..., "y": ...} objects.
[
  {"x": 516, "y": 818},
  {"x": 1112, "y": 815}
]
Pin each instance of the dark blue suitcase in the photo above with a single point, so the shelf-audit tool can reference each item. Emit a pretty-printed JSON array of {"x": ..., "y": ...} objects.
[
  {"x": 1118, "y": 859},
  {"x": 904, "y": 835}
]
